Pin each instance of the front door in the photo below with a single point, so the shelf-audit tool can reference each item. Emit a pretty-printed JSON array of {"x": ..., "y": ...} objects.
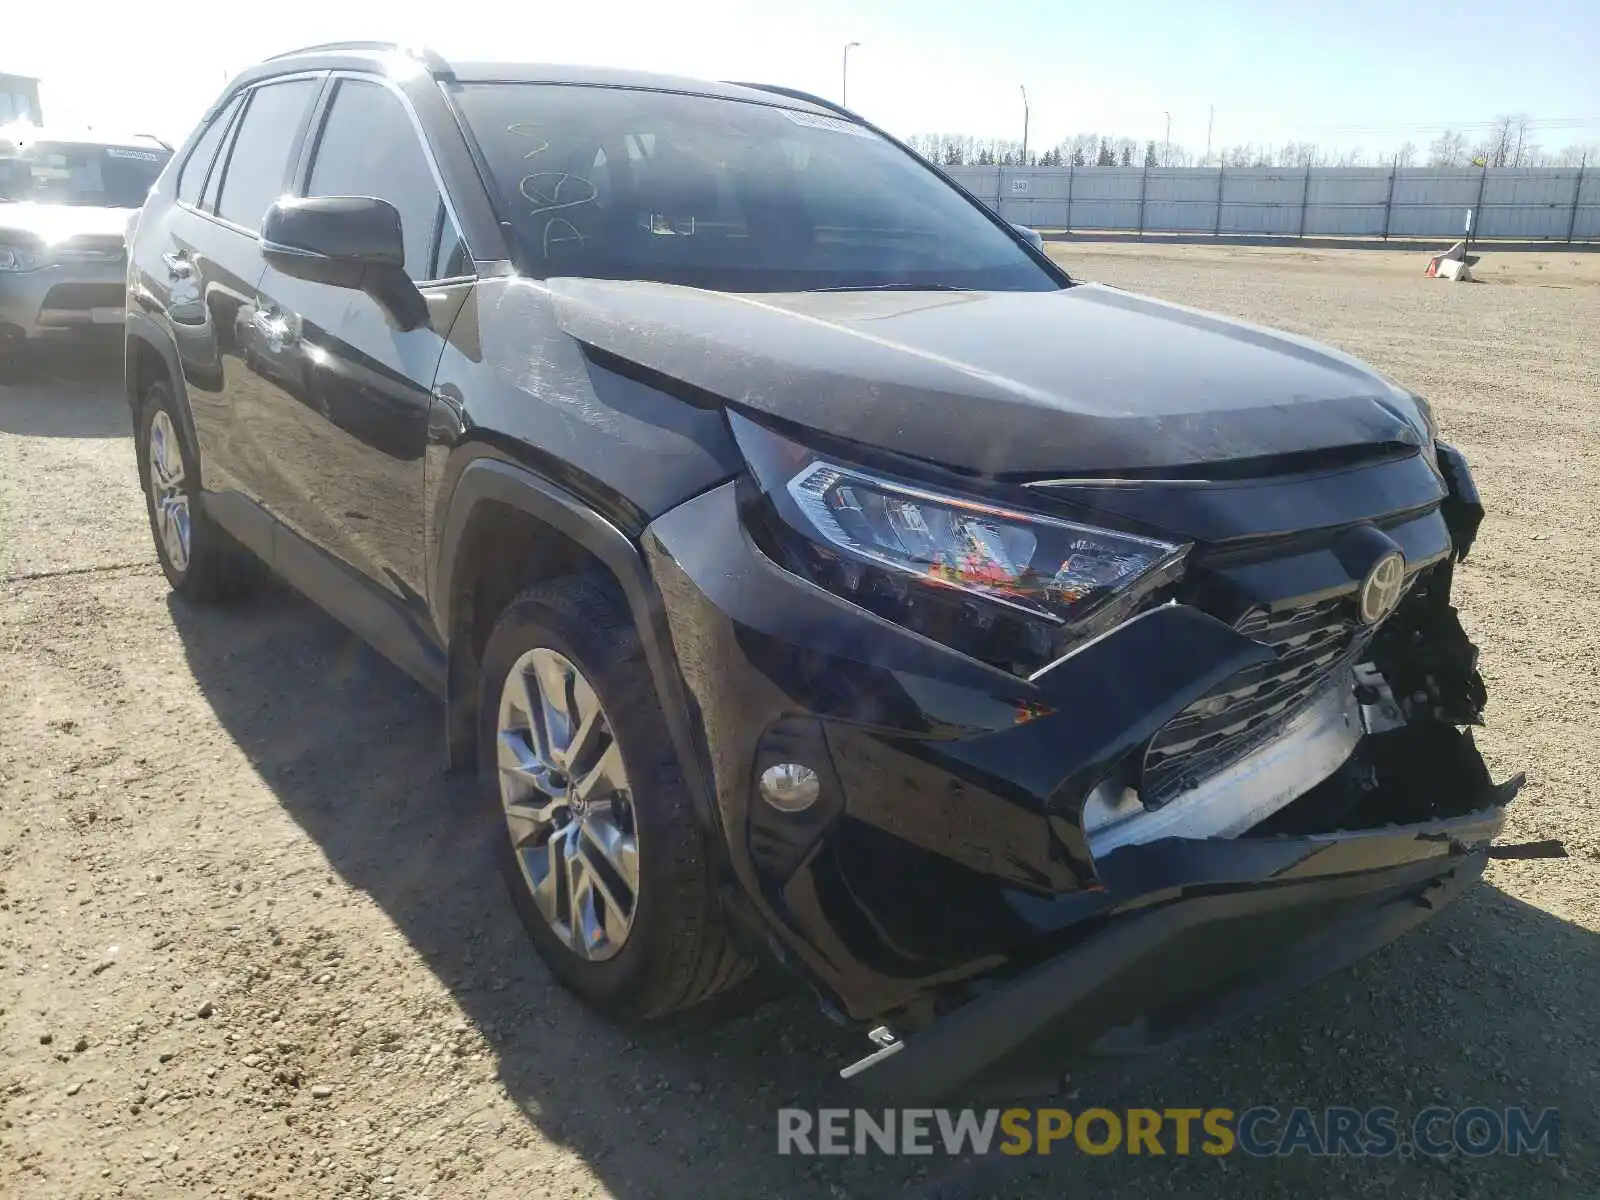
[{"x": 341, "y": 419}]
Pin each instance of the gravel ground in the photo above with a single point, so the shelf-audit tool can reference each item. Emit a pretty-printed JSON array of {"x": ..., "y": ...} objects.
[{"x": 253, "y": 947}]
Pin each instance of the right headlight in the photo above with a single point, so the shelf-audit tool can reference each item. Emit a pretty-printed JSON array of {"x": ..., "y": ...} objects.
[{"x": 1012, "y": 587}]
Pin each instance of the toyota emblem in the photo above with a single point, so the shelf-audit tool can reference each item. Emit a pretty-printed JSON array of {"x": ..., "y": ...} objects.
[{"x": 1380, "y": 590}]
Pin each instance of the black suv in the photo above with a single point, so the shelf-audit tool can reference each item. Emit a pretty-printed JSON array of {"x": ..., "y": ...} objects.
[{"x": 809, "y": 568}]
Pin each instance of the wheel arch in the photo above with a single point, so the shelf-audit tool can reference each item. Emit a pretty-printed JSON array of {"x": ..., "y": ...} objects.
[
  {"x": 148, "y": 356},
  {"x": 506, "y": 527}
]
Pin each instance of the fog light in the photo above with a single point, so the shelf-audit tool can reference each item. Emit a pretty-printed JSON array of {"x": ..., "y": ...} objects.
[{"x": 790, "y": 787}]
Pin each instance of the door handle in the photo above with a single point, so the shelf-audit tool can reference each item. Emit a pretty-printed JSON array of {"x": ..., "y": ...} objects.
[
  {"x": 178, "y": 264},
  {"x": 275, "y": 325}
]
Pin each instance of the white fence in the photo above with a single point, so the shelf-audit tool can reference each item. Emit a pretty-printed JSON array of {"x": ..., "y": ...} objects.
[{"x": 1532, "y": 203}]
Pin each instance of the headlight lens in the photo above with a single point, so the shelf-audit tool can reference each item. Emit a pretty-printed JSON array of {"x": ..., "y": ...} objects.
[
  {"x": 18, "y": 258},
  {"x": 1053, "y": 569},
  {"x": 1017, "y": 589}
]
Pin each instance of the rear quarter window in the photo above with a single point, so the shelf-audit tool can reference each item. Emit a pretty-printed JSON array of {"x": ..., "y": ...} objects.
[{"x": 193, "y": 176}]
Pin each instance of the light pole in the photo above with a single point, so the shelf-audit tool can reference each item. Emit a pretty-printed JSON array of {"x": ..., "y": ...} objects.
[
  {"x": 1024, "y": 124},
  {"x": 1166, "y": 155},
  {"x": 844, "y": 89}
]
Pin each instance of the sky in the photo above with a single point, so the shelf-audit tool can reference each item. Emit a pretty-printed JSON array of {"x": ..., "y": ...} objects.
[{"x": 1368, "y": 73}]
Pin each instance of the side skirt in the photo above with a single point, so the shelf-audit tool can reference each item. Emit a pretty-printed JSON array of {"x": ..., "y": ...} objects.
[{"x": 344, "y": 594}]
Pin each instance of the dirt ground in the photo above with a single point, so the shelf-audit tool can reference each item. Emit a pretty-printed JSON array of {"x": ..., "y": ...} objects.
[{"x": 253, "y": 948}]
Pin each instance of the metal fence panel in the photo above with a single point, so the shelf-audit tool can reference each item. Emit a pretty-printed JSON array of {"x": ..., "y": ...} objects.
[
  {"x": 982, "y": 182},
  {"x": 1261, "y": 200},
  {"x": 1348, "y": 201},
  {"x": 1549, "y": 203},
  {"x": 1180, "y": 201},
  {"x": 1106, "y": 197},
  {"x": 1428, "y": 220},
  {"x": 1528, "y": 203},
  {"x": 1585, "y": 217},
  {"x": 1445, "y": 187},
  {"x": 1035, "y": 196}
]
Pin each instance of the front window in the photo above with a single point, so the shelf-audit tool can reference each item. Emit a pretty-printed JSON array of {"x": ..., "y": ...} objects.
[
  {"x": 79, "y": 173},
  {"x": 732, "y": 195}
]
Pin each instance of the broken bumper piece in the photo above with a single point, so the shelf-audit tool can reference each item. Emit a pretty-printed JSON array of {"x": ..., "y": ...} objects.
[{"x": 1214, "y": 929}]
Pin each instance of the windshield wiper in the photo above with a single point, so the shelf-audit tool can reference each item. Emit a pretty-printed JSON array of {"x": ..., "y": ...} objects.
[{"x": 894, "y": 287}]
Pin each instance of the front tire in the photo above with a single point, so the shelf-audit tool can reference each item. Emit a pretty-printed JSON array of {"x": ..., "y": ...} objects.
[
  {"x": 201, "y": 561},
  {"x": 594, "y": 826}
]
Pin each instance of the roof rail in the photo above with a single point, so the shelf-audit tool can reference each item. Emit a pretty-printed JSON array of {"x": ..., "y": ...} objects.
[
  {"x": 435, "y": 62},
  {"x": 797, "y": 94}
]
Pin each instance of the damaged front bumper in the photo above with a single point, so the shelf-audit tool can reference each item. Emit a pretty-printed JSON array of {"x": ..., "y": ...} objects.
[
  {"x": 1217, "y": 930},
  {"x": 972, "y": 878}
]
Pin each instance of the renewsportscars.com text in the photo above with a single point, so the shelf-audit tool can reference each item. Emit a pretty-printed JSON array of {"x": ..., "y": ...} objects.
[{"x": 1260, "y": 1132}]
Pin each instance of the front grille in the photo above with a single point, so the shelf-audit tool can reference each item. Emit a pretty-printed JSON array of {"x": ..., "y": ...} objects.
[
  {"x": 85, "y": 295},
  {"x": 1311, "y": 642}
]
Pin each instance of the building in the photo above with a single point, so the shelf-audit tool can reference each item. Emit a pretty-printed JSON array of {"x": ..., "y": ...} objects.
[{"x": 19, "y": 99}]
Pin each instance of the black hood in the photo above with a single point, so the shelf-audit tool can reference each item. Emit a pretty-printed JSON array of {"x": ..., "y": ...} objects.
[{"x": 1087, "y": 379}]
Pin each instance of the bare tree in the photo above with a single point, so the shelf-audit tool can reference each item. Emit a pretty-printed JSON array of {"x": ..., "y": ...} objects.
[
  {"x": 1507, "y": 142},
  {"x": 1449, "y": 149},
  {"x": 1301, "y": 155}
]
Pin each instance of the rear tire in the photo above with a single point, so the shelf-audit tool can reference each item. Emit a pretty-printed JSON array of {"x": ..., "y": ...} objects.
[
  {"x": 201, "y": 561},
  {"x": 568, "y": 652}
]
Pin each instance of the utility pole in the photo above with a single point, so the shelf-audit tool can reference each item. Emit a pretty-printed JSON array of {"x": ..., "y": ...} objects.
[
  {"x": 1166, "y": 155},
  {"x": 844, "y": 81},
  {"x": 1024, "y": 124},
  {"x": 1211, "y": 115}
]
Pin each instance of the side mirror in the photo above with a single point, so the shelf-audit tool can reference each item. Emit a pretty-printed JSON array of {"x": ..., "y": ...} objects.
[
  {"x": 1031, "y": 234},
  {"x": 348, "y": 242}
]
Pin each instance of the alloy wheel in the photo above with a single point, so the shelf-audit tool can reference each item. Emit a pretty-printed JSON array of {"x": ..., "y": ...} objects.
[
  {"x": 568, "y": 807},
  {"x": 169, "y": 495}
]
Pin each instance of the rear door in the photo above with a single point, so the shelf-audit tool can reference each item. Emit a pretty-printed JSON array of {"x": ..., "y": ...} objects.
[
  {"x": 167, "y": 255},
  {"x": 339, "y": 410},
  {"x": 209, "y": 260}
]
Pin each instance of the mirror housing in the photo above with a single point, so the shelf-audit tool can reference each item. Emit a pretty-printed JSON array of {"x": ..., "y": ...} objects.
[
  {"x": 348, "y": 242},
  {"x": 1036, "y": 241}
]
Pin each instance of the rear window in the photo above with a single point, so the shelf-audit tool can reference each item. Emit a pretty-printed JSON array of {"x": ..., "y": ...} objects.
[
  {"x": 727, "y": 194},
  {"x": 80, "y": 173}
]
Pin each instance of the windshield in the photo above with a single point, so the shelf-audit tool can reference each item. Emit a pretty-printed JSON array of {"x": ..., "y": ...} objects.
[
  {"x": 81, "y": 174},
  {"x": 731, "y": 195}
]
